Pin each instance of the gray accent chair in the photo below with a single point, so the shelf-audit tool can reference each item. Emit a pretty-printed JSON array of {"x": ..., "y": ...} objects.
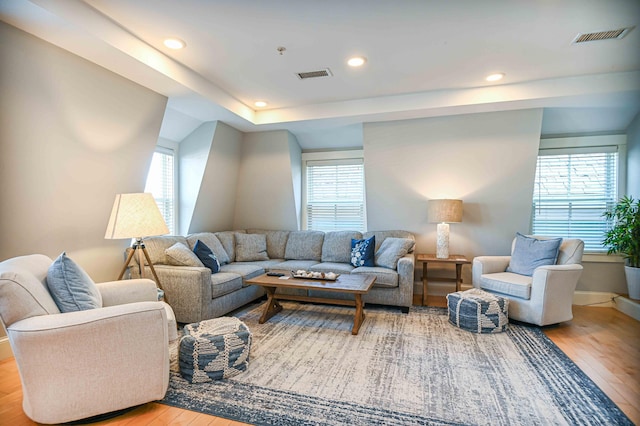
[
  {"x": 82, "y": 364},
  {"x": 542, "y": 299}
]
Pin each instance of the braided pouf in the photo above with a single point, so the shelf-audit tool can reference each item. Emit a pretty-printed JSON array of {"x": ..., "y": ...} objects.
[
  {"x": 478, "y": 311},
  {"x": 214, "y": 349}
]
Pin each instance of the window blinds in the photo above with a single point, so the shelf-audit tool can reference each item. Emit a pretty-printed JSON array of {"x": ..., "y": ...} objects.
[
  {"x": 335, "y": 195},
  {"x": 160, "y": 182},
  {"x": 573, "y": 188}
]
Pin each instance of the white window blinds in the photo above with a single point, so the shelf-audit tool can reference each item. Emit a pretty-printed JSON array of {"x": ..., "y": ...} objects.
[
  {"x": 573, "y": 188},
  {"x": 160, "y": 182},
  {"x": 335, "y": 195}
]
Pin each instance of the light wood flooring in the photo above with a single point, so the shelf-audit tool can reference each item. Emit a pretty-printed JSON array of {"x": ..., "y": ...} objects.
[{"x": 603, "y": 342}]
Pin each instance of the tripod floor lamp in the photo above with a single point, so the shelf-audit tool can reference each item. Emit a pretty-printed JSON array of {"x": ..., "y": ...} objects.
[{"x": 136, "y": 216}]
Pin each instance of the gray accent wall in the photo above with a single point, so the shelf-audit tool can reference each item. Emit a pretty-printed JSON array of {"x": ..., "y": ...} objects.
[
  {"x": 72, "y": 136},
  {"x": 267, "y": 193}
]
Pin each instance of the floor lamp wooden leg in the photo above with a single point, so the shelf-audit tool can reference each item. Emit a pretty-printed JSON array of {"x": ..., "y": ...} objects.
[
  {"x": 146, "y": 255},
  {"x": 126, "y": 263}
]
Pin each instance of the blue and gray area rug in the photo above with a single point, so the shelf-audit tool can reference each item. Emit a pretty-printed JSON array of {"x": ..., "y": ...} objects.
[{"x": 417, "y": 369}]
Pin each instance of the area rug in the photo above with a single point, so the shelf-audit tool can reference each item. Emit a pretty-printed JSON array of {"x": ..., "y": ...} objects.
[{"x": 401, "y": 369}]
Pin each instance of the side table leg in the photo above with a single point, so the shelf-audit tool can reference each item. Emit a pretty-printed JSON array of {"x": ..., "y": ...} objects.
[
  {"x": 272, "y": 306},
  {"x": 458, "y": 276},
  {"x": 424, "y": 283},
  {"x": 359, "y": 316}
]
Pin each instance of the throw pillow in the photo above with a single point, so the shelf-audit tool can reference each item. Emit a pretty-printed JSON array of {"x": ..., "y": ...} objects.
[
  {"x": 530, "y": 253},
  {"x": 391, "y": 250},
  {"x": 70, "y": 286},
  {"x": 180, "y": 255},
  {"x": 206, "y": 256},
  {"x": 362, "y": 252},
  {"x": 211, "y": 241},
  {"x": 250, "y": 247}
]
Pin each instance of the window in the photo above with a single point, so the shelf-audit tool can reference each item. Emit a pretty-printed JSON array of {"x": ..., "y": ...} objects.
[
  {"x": 161, "y": 183},
  {"x": 335, "y": 197},
  {"x": 573, "y": 188}
]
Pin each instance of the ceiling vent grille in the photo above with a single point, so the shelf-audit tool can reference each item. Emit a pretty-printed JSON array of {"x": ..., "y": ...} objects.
[
  {"x": 602, "y": 35},
  {"x": 314, "y": 74}
]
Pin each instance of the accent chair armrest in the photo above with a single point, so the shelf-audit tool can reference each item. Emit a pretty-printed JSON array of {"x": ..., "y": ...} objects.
[
  {"x": 128, "y": 291},
  {"x": 487, "y": 265},
  {"x": 552, "y": 291}
]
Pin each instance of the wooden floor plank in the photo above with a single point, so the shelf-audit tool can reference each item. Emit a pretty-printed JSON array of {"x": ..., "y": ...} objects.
[{"x": 603, "y": 342}]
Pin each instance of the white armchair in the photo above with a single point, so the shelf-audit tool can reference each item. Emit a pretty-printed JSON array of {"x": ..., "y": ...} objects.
[
  {"x": 543, "y": 298},
  {"x": 81, "y": 364}
]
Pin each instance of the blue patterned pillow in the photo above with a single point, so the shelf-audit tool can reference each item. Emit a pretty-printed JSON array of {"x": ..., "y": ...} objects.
[
  {"x": 206, "y": 256},
  {"x": 70, "y": 286},
  {"x": 362, "y": 252},
  {"x": 529, "y": 253}
]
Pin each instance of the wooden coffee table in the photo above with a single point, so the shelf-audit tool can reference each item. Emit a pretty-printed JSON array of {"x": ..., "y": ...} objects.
[{"x": 346, "y": 283}]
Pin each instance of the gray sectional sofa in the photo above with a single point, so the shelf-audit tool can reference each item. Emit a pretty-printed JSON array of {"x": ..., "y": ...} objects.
[{"x": 195, "y": 293}]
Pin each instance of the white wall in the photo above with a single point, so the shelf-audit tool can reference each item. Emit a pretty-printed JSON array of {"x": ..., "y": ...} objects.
[
  {"x": 72, "y": 136},
  {"x": 487, "y": 160},
  {"x": 216, "y": 199},
  {"x": 266, "y": 197},
  {"x": 633, "y": 158}
]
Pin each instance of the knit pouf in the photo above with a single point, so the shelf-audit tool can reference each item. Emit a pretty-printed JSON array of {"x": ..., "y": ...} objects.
[
  {"x": 478, "y": 311},
  {"x": 214, "y": 349}
]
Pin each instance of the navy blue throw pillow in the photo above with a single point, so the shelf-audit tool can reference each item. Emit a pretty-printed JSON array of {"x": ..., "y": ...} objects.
[
  {"x": 206, "y": 256},
  {"x": 362, "y": 252}
]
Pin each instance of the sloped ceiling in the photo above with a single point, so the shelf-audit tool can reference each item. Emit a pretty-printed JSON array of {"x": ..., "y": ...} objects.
[{"x": 424, "y": 59}]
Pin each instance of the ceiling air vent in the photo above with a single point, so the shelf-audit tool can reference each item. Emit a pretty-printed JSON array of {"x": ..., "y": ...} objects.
[
  {"x": 602, "y": 35},
  {"x": 314, "y": 74}
]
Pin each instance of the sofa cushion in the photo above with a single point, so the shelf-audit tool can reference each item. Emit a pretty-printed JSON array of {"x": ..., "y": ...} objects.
[
  {"x": 250, "y": 247},
  {"x": 157, "y": 246},
  {"x": 391, "y": 250},
  {"x": 180, "y": 255},
  {"x": 507, "y": 283},
  {"x": 228, "y": 241},
  {"x": 294, "y": 265},
  {"x": 384, "y": 277},
  {"x": 224, "y": 283},
  {"x": 71, "y": 287},
  {"x": 276, "y": 242},
  {"x": 338, "y": 268},
  {"x": 211, "y": 241},
  {"x": 206, "y": 256},
  {"x": 267, "y": 265},
  {"x": 304, "y": 245},
  {"x": 245, "y": 270},
  {"x": 336, "y": 246},
  {"x": 530, "y": 253},
  {"x": 362, "y": 253},
  {"x": 383, "y": 235}
]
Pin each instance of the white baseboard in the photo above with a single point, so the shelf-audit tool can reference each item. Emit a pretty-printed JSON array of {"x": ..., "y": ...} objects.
[
  {"x": 628, "y": 307},
  {"x": 594, "y": 298},
  {"x": 5, "y": 348}
]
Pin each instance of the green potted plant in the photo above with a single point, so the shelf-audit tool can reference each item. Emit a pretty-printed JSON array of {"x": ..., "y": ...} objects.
[{"x": 624, "y": 239}]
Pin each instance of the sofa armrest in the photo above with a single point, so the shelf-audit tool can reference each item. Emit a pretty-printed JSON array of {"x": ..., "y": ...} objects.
[
  {"x": 487, "y": 265},
  {"x": 187, "y": 289},
  {"x": 127, "y": 291},
  {"x": 63, "y": 358}
]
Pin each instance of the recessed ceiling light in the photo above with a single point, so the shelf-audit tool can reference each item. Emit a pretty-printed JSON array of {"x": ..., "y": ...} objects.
[
  {"x": 495, "y": 77},
  {"x": 357, "y": 61},
  {"x": 260, "y": 104},
  {"x": 174, "y": 43}
]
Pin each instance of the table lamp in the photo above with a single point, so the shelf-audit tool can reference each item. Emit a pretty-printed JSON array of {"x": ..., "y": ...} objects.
[
  {"x": 444, "y": 212},
  {"x": 136, "y": 216}
]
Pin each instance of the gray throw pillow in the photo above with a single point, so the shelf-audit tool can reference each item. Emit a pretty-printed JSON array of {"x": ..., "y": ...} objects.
[
  {"x": 304, "y": 245},
  {"x": 211, "y": 241},
  {"x": 70, "y": 286},
  {"x": 251, "y": 247},
  {"x": 391, "y": 250},
  {"x": 180, "y": 255},
  {"x": 530, "y": 253}
]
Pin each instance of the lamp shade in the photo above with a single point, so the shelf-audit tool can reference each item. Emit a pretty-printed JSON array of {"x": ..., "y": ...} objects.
[
  {"x": 135, "y": 216},
  {"x": 445, "y": 211}
]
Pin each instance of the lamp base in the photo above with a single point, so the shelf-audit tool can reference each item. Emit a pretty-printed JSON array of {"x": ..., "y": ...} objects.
[{"x": 442, "y": 244}]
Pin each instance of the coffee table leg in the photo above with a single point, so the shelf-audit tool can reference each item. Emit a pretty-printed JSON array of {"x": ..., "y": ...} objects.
[
  {"x": 272, "y": 307},
  {"x": 359, "y": 316}
]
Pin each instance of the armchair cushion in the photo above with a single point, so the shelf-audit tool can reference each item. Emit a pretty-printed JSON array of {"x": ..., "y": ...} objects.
[
  {"x": 508, "y": 283},
  {"x": 530, "y": 253},
  {"x": 70, "y": 286}
]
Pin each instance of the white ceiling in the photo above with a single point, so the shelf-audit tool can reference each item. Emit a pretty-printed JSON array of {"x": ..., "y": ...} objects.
[{"x": 424, "y": 58}]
